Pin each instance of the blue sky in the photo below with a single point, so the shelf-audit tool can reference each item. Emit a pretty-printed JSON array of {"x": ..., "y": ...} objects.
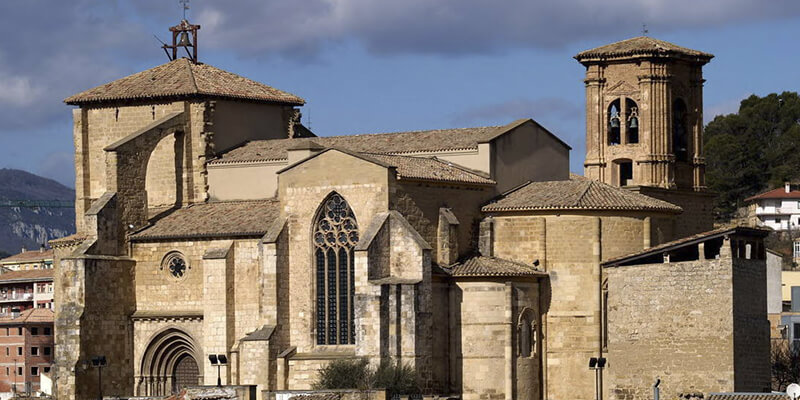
[{"x": 375, "y": 65}]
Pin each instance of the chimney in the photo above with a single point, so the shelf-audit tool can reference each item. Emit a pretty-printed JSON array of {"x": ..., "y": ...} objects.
[
  {"x": 24, "y": 250},
  {"x": 787, "y": 187}
]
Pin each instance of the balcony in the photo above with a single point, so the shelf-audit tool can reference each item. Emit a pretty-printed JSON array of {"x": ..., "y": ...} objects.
[
  {"x": 777, "y": 211},
  {"x": 17, "y": 297}
]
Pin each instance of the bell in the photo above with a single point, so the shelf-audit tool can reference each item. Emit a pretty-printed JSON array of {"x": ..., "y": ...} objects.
[
  {"x": 614, "y": 122},
  {"x": 634, "y": 122},
  {"x": 184, "y": 40}
]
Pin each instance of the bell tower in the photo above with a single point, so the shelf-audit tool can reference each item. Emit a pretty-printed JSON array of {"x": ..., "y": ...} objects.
[{"x": 644, "y": 120}]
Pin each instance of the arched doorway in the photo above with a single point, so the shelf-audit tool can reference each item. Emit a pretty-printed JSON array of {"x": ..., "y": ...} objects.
[
  {"x": 169, "y": 364},
  {"x": 185, "y": 373}
]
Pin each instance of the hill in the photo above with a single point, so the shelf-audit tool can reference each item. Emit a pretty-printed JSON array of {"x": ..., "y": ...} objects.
[{"x": 31, "y": 227}]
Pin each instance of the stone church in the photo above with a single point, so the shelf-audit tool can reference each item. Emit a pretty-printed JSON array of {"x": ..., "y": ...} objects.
[{"x": 211, "y": 221}]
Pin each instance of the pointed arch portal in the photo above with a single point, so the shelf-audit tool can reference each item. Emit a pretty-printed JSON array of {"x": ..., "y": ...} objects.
[{"x": 169, "y": 364}]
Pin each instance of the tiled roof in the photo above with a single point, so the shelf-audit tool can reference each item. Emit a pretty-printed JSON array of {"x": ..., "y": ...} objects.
[
  {"x": 37, "y": 274},
  {"x": 491, "y": 266},
  {"x": 642, "y": 45},
  {"x": 260, "y": 334},
  {"x": 576, "y": 195},
  {"x": 376, "y": 143},
  {"x": 430, "y": 168},
  {"x": 214, "y": 219},
  {"x": 29, "y": 256},
  {"x": 779, "y": 193},
  {"x": 689, "y": 240},
  {"x": 180, "y": 78},
  {"x": 29, "y": 316},
  {"x": 66, "y": 241},
  {"x": 748, "y": 396}
]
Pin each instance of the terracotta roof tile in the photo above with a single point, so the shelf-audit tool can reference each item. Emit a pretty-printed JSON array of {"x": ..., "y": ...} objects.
[
  {"x": 30, "y": 315},
  {"x": 376, "y": 143},
  {"x": 576, "y": 195},
  {"x": 779, "y": 193},
  {"x": 491, "y": 266},
  {"x": 214, "y": 219},
  {"x": 748, "y": 396},
  {"x": 27, "y": 274},
  {"x": 431, "y": 168},
  {"x": 29, "y": 256},
  {"x": 642, "y": 45},
  {"x": 181, "y": 78},
  {"x": 66, "y": 241}
]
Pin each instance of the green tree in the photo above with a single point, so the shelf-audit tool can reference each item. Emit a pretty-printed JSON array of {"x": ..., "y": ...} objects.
[{"x": 753, "y": 150}]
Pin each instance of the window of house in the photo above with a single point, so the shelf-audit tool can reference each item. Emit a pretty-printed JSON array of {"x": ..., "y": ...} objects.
[
  {"x": 19, "y": 351},
  {"x": 335, "y": 236},
  {"x": 777, "y": 220},
  {"x": 19, "y": 331},
  {"x": 47, "y": 351},
  {"x": 34, "y": 351},
  {"x": 797, "y": 249},
  {"x": 8, "y": 371},
  {"x": 35, "y": 331},
  {"x": 20, "y": 371},
  {"x": 8, "y": 351},
  {"x": 35, "y": 371},
  {"x": 46, "y": 370},
  {"x": 47, "y": 331}
]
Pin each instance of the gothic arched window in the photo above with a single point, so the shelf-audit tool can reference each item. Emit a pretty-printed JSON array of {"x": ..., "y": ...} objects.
[
  {"x": 335, "y": 235},
  {"x": 680, "y": 131}
]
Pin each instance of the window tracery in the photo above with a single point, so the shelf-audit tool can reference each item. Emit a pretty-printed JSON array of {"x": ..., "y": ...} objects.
[
  {"x": 175, "y": 265},
  {"x": 335, "y": 235}
]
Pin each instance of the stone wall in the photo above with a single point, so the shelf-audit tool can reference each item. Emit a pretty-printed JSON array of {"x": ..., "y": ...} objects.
[
  {"x": 420, "y": 203},
  {"x": 570, "y": 246},
  {"x": 485, "y": 357},
  {"x": 751, "y": 328},
  {"x": 698, "y": 325}
]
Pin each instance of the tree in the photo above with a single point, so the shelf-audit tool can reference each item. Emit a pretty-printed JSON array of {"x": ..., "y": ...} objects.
[
  {"x": 785, "y": 364},
  {"x": 753, "y": 150}
]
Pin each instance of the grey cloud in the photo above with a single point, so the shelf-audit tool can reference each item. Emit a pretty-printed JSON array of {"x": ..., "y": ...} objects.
[{"x": 459, "y": 26}]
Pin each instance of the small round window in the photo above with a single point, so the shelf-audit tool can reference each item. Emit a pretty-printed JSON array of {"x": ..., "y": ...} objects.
[{"x": 175, "y": 265}]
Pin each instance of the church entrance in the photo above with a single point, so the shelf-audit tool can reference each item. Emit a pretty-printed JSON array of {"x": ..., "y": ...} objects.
[
  {"x": 185, "y": 374},
  {"x": 169, "y": 364}
]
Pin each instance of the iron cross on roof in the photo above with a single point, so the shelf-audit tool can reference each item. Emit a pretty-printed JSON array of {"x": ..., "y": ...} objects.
[{"x": 185, "y": 4}]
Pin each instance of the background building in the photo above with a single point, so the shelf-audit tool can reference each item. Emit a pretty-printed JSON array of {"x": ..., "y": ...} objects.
[
  {"x": 25, "y": 260},
  {"x": 26, "y": 349},
  {"x": 26, "y": 289},
  {"x": 778, "y": 209}
]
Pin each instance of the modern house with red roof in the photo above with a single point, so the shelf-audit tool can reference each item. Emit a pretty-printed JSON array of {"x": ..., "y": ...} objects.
[{"x": 779, "y": 208}]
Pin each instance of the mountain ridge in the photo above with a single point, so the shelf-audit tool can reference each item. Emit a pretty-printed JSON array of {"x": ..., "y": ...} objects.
[{"x": 22, "y": 227}]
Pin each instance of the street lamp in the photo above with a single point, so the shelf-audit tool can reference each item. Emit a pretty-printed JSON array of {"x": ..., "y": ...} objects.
[
  {"x": 219, "y": 360},
  {"x": 597, "y": 364},
  {"x": 99, "y": 362}
]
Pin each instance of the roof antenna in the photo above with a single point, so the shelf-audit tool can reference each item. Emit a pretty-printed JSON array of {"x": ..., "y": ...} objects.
[
  {"x": 309, "y": 118},
  {"x": 644, "y": 27}
]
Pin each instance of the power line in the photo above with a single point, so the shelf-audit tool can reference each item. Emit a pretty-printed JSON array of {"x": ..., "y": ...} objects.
[{"x": 37, "y": 203}]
